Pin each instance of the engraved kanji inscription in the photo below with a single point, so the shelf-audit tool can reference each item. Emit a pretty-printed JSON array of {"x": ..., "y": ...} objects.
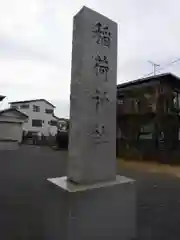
[
  {"x": 99, "y": 134},
  {"x": 99, "y": 130},
  {"x": 100, "y": 98},
  {"x": 101, "y": 66},
  {"x": 102, "y": 34}
]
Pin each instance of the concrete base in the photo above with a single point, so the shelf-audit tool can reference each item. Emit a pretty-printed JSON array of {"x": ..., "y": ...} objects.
[{"x": 104, "y": 210}]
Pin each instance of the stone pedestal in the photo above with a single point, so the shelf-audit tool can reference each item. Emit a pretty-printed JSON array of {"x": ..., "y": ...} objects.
[{"x": 104, "y": 210}]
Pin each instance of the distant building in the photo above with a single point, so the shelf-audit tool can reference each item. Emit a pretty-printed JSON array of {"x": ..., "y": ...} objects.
[
  {"x": 11, "y": 122},
  {"x": 41, "y": 118},
  {"x": 63, "y": 124},
  {"x": 148, "y": 118}
]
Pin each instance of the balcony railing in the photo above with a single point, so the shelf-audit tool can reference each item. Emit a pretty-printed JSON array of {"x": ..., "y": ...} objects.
[{"x": 127, "y": 108}]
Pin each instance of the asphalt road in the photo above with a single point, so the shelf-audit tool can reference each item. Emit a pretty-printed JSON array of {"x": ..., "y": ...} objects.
[{"x": 23, "y": 185}]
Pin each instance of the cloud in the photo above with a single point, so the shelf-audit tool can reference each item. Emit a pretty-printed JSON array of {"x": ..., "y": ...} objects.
[
  {"x": 36, "y": 41},
  {"x": 10, "y": 48}
]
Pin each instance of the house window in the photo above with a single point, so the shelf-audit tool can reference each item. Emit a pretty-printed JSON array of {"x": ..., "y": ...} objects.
[
  {"x": 24, "y": 106},
  {"x": 179, "y": 134},
  {"x": 176, "y": 100},
  {"x": 36, "y": 108},
  {"x": 146, "y": 131},
  {"x": 37, "y": 123},
  {"x": 48, "y": 111},
  {"x": 53, "y": 123},
  {"x": 120, "y": 101},
  {"x": 14, "y": 107},
  {"x": 137, "y": 104}
]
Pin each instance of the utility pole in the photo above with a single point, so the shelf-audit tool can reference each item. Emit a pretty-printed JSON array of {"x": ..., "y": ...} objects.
[{"x": 154, "y": 67}]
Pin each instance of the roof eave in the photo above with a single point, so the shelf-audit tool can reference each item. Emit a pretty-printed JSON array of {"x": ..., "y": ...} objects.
[
  {"x": 1, "y": 97},
  {"x": 143, "y": 80},
  {"x": 33, "y": 100},
  {"x": 11, "y": 109}
]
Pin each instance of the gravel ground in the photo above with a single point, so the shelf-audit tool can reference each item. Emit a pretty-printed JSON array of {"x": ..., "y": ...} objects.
[{"x": 23, "y": 187}]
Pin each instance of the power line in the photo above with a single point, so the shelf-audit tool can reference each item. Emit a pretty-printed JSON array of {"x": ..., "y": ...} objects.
[{"x": 169, "y": 64}]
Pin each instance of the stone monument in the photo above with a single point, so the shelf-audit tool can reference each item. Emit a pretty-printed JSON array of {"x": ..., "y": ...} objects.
[
  {"x": 92, "y": 202},
  {"x": 92, "y": 140}
]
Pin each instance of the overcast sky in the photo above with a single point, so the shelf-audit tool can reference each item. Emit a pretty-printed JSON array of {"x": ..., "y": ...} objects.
[{"x": 36, "y": 41}]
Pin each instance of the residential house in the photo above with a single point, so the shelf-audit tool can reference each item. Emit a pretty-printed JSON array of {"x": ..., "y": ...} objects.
[
  {"x": 11, "y": 121},
  {"x": 148, "y": 118},
  {"x": 41, "y": 118},
  {"x": 1, "y": 97}
]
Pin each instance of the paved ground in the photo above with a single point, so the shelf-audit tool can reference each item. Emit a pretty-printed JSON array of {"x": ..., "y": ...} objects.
[{"x": 24, "y": 191}]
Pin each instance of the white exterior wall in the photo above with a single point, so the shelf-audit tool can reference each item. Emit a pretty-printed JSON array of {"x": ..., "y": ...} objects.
[
  {"x": 11, "y": 131},
  {"x": 46, "y": 128}
]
